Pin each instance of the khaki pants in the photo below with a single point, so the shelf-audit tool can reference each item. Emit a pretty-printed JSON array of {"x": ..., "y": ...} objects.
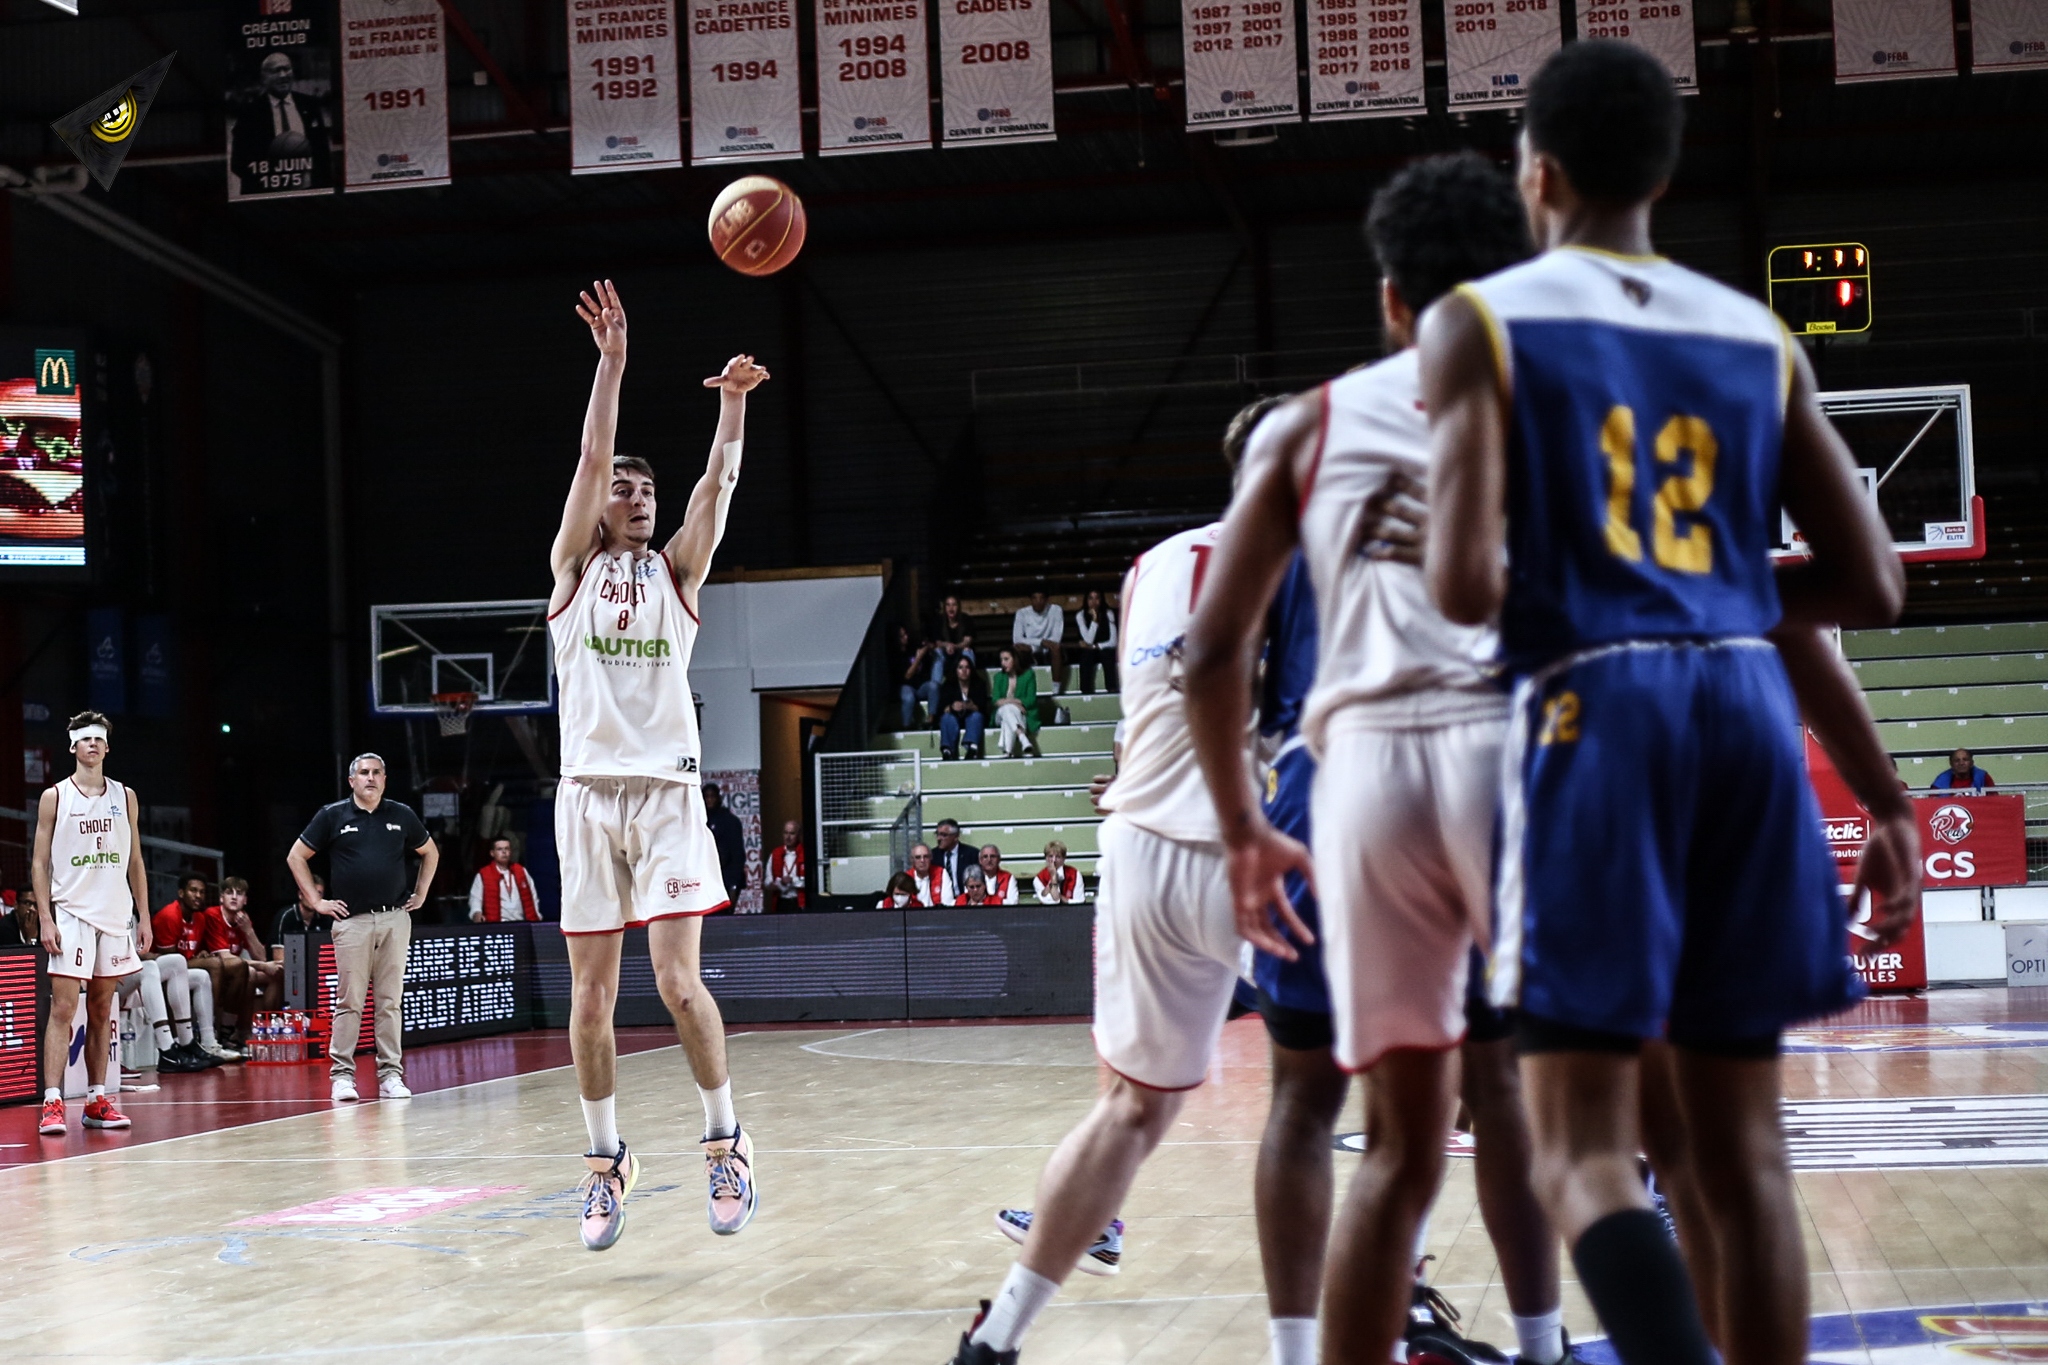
[{"x": 369, "y": 950}]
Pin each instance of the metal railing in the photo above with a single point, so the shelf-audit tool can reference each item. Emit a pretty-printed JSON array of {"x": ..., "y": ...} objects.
[
  {"x": 166, "y": 859},
  {"x": 881, "y": 789}
]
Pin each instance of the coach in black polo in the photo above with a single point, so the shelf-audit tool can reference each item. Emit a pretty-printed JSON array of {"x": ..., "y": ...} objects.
[{"x": 370, "y": 910}]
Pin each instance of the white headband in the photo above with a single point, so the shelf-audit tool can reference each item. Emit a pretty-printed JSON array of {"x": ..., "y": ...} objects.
[{"x": 98, "y": 732}]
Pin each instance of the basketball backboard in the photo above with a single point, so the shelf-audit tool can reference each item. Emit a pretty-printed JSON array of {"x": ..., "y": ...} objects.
[
  {"x": 1913, "y": 448},
  {"x": 498, "y": 650}
]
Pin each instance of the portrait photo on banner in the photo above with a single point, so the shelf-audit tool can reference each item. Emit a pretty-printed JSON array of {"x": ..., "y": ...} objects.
[{"x": 280, "y": 98}]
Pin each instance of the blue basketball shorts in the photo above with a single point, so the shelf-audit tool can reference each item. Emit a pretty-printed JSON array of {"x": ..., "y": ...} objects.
[
  {"x": 1294, "y": 997},
  {"x": 1663, "y": 870}
]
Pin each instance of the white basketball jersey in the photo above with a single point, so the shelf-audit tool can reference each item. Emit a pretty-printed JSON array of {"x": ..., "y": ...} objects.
[
  {"x": 1159, "y": 784},
  {"x": 622, "y": 655},
  {"x": 1386, "y": 654},
  {"x": 89, "y": 849}
]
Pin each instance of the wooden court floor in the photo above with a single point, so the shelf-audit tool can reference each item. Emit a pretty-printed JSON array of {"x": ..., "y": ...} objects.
[{"x": 444, "y": 1228}]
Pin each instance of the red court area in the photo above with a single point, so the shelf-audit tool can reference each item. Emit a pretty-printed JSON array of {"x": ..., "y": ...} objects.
[{"x": 238, "y": 1094}]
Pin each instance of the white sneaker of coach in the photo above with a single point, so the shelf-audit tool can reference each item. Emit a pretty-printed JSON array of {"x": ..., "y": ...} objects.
[
  {"x": 344, "y": 1089},
  {"x": 393, "y": 1088}
]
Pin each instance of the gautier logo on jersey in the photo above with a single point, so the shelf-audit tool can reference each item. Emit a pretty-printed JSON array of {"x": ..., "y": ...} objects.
[
  {"x": 632, "y": 649},
  {"x": 106, "y": 859}
]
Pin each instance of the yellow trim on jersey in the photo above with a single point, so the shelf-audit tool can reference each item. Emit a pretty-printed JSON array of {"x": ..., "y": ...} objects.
[
  {"x": 1496, "y": 335},
  {"x": 1651, "y": 259}
]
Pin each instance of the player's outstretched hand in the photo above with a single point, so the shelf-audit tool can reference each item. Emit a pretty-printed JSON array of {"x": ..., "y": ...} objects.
[
  {"x": 606, "y": 318},
  {"x": 1258, "y": 868},
  {"x": 1396, "y": 522},
  {"x": 1890, "y": 872},
  {"x": 740, "y": 375}
]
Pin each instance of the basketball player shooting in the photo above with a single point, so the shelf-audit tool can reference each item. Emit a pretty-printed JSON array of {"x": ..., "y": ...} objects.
[{"x": 629, "y": 819}]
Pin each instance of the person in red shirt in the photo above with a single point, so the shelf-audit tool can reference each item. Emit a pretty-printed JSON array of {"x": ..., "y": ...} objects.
[{"x": 200, "y": 933}]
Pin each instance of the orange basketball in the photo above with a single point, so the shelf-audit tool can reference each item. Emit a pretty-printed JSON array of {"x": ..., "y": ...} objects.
[{"x": 757, "y": 225}]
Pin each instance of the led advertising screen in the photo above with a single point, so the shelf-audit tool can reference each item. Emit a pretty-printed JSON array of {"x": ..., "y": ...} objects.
[{"x": 42, "y": 452}]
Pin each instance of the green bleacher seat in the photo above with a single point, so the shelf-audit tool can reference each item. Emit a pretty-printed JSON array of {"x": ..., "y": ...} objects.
[
  {"x": 1979, "y": 670},
  {"x": 1920, "y": 642},
  {"x": 1930, "y": 703},
  {"x": 1007, "y": 807},
  {"x": 1974, "y": 733},
  {"x": 995, "y": 774},
  {"x": 1052, "y": 739}
]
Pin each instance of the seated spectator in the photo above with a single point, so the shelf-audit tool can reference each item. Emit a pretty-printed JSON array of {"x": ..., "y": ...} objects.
[
  {"x": 1036, "y": 633},
  {"x": 501, "y": 889},
  {"x": 974, "y": 889},
  {"x": 1016, "y": 694},
  {"x": 146, "y": 984},
  {"x": 1002, "y": 887},
  {"x": 22, "y": 925},
  {"x": 916, "y": 679},
  {"x": 901, "y": 895},
  {"x": 189, "y": 1009},
  {"x": 785, "y": 879},
  {"x": 1963, "y": 774},
  {"x": 199, "y": 933},
  {"x": 1057, "y": 884},
  {"x": 949, "y": 853},
  {"x": 298, "y": 917},
  {"x": 1096, "y": 625},
  {"x": 933, "y": 884},
  {"x": 951, "y": 637},
  {"x": 963, "y": 707},
  {"x": 266, "y": 978}
]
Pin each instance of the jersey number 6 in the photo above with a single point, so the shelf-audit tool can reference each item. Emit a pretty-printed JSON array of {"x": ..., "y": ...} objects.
[{"x": 1689, "y": 552}]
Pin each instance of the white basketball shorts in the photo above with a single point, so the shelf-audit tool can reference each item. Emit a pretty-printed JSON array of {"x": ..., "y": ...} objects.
[
  {"x": 89, "y": 952},
  {"x": 1403, "y": 823},
  {"x": 633, "y": 850},
  {"x": 1166, "y": 956}
]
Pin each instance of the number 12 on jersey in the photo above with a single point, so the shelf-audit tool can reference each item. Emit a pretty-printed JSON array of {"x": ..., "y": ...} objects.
[{"x": 1678, "y": 493}]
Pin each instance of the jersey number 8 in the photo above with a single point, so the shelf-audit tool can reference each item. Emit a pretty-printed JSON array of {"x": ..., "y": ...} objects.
[{"x": 1691, "y": 551}]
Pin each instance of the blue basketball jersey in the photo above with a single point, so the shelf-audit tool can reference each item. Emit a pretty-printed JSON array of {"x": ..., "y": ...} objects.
[
  {"x": 1290, "y": 652},
  {"x": 1647, "y": 413}
]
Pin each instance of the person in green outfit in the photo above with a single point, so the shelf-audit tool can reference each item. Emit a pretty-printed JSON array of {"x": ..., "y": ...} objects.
[{"x": 1016, "y": 692}]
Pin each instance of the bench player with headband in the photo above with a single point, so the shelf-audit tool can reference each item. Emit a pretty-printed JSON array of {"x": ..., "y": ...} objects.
[
  {"x": 1402, "y": 732},
  {"x": 1166, "y": 950},
  {"x": 94, "y": 893},
  {"x": 1612, "y": 437},
  {"x": 629, "y": 820}
]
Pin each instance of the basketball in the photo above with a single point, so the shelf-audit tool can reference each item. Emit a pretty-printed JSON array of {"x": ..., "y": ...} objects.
[{"x": 757, "y": 225}]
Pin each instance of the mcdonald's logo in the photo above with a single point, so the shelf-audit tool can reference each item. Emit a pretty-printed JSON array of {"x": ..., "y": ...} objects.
[{"x": 57, "y": 373}]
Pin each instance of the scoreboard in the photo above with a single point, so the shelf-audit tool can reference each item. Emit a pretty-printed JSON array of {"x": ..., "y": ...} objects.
[
  {"x": 1821, "y": 290},
  {"x": 19, "y": 1023},
  {"x": 461, "y": 981}
]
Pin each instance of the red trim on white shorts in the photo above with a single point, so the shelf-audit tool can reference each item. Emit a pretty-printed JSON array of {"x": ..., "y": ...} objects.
[
  {"x": 651, "y": 919},
  {"x": 1401, "y": 1047},
  {"x": 1147, "y": 1085}
]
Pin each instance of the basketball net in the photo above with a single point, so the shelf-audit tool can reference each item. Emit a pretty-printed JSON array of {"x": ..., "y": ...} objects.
[{"x": 452, "y": 710}]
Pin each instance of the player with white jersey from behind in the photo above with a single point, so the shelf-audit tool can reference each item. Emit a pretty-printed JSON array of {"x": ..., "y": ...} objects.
[
  {"x": 1167, "y": 951},
  {"x": 629, "y": 820},
  {"x": 90, "y": 883}
]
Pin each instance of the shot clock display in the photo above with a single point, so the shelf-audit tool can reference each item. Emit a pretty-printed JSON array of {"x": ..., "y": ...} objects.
[{"x": 1821, "y": 290}]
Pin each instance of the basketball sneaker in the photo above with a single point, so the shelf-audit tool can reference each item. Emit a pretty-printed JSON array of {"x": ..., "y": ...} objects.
[
  {"x": 221, "y": 1052},
  {"x": 1105, "y": 1257},
  {"x": 343, "y": 1090},
  {"x": 101, "y": 1113},
  {"x": 52, "y": 1122},
  {"x": 393, "y": 1088},
  {"x": 972, "y": 1352},
  {"x": 1433, "y": 1336},
  {"x": 183, "y": 1057},
  {"x": 733, "y": 1197},
  {"x": 1570, "y": 1356},
  {"x": 611, "y": 1179}
]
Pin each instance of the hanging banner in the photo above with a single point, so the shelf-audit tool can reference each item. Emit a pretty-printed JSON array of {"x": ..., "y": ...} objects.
[
  {"x": 745, "y": 95},
  {"x": 995, "y": 66},
  {"x": 2008, "y": 35},
  {"x": 1493, "y": 47},
  {"x": 624, "y": 106},
  {"x": 1239, "y": 59},
  {"x": 394, "y": 94},
  {"x": 280, "y": 122},
  {"x": 1893, "y": 40},
  {"x": 873, "y": 91},
  {"x": 1364, "y": 58},
  {"x": 1663, "y": 29}
]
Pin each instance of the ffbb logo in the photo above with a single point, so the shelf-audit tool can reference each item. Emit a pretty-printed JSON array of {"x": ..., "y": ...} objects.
[{"x": 57, "y": 373}]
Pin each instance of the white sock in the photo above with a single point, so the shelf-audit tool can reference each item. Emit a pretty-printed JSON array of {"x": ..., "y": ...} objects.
[
  {"x": 719, "y": 1121},
  {"x": 162, "y": 1030},
  {"x": 206, "y": 1034},
  {"x": 1024, "y": 1295},
  {"x": 1422, "y": 1241},
  {"x": 53, "y": 1093},
  {"x": 1293, "y": 1339},
  {"x": 1541, "y": 1337},
  {"x": 181, "y": 1029},
  {"x": 602, "y": 1119},
  {"x": 95, "y": 1092}
]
